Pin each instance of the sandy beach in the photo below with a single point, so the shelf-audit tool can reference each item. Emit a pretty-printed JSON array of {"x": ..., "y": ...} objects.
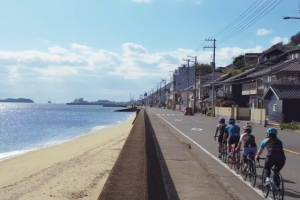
[{"x": 76, "y": 169}]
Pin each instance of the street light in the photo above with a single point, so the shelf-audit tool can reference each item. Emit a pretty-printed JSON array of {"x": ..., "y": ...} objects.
[{"x": 291, "y": 18}]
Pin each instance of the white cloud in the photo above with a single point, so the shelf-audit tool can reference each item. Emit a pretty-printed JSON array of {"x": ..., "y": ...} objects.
[
  {"x": 264, "y": 31},
  {"x": 134, "y": 63},
  {"x": 142, "y": 1},
  {"x": 80, "y": 47},
  {"x": 85, "y": 71},
  {"x": 276, "y": 40}
]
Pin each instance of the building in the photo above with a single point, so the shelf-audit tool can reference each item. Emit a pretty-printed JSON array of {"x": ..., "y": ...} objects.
[
  {"x": 181, "y": 78},
  {"x": 283, "y": 103}
]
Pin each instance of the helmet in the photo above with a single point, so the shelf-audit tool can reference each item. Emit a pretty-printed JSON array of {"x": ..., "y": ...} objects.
[
  {"x": 272, "y": 131},
  {"x": 231, "y": 120},
  {"x": 248, "y": 127},
  {"x": 222, "y": 120}
]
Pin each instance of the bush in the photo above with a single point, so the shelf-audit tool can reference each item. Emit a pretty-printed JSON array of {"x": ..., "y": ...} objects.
[
  {"x": 228, "y": 103},
  {"x": 293, "y": 125}
]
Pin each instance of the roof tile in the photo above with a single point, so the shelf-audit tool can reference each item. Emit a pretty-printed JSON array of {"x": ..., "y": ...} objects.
[{"x": 287, "y": 91}]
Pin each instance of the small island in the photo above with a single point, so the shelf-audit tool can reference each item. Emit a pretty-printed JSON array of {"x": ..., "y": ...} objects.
[{"x": 20, "y": 100}]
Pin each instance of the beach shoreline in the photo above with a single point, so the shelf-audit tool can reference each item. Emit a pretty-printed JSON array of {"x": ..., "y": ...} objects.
[
  {"x": 12, "y": 154},
  {"x": 74, "y": 169}
]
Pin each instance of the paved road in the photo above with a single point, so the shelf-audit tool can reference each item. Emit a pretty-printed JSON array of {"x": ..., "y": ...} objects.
[{"x": 201, "y": 130}]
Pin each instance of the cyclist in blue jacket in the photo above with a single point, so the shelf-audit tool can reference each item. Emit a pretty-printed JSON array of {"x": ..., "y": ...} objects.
[
  {"x": 233, "y": 131},
  {"x": 275, "y": 155}
]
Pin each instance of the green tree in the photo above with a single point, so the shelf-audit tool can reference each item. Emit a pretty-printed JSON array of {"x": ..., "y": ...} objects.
[
  {"x": 238, "y": 62},
  {"x": 295, "y": 39},
  {"x": 203, "y": 69}
]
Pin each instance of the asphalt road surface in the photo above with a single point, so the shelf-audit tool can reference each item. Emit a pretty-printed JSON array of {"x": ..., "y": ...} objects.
[{"x": 201, "y": 130}]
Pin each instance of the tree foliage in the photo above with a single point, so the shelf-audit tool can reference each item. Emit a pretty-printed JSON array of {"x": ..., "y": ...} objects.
[
  {"x": 228, "y": 103},
  {"x": 239, "y": 62},
  {"x": 203, "y": 69},
  {"x": 295, "y": 39}
]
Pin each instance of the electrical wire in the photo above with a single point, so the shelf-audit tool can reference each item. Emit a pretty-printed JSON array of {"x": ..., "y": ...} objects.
[
  {"x": 249, "y": 25},
  {"x": 234, "y": 22},
  {"x": 251, "y": 15},
  {"x": 237, "y": 19},
  {"x": 251, "y": 18}
]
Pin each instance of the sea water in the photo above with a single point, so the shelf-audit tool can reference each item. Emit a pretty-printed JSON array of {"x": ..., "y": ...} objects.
[{"x": 28, "y": 127}]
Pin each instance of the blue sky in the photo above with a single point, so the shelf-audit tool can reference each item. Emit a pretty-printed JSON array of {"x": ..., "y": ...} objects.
[{"x": 61, "y": 50}]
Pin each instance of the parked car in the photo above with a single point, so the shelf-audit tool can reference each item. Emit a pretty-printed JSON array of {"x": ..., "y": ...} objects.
[{"x": 188, "y": 111}]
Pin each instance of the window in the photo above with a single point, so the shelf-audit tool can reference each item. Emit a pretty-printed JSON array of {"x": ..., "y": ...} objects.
[
  {"x": 179, "y": 83},
  {"x": 275, "y": 107},
  {"x": 296, "y": 55},
  {"x": 292, "y": 56},
  {"x": 230, "y": 89}
]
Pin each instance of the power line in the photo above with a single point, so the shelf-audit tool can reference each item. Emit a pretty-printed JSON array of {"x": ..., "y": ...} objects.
[
  {"x": 237, "y": 19},
  {"x": 234, "y": 22},
  {"x": 254, "y": 15},
  {"x": 246, "y": 27}
]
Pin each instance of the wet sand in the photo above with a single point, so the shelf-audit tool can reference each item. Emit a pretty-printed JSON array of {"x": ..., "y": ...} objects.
[{"x": 76, "y": 169}]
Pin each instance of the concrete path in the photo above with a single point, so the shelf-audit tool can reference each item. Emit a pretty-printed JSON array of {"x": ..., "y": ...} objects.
[{"x": 186, "y": 176}]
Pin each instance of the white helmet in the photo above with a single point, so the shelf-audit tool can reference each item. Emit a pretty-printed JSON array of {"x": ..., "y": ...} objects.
[{"x": 248, "y": 127}]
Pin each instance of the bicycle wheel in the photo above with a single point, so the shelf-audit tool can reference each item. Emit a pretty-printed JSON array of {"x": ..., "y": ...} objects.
[
  {"x": 252, "y": 174},
  {"x": 237, "y": 163},
  {"x": 265, "y": 189},
  {"x": 278, "y": 191},
  {"x": 224, "y": 153},
  {"x": 229, "y": 160},
  {"x": 246, "y": 171}
]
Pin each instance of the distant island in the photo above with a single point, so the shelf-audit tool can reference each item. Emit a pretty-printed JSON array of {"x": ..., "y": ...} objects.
[
  {"x": 104, "y": 103},
  {"x": 20, "y": 100}
]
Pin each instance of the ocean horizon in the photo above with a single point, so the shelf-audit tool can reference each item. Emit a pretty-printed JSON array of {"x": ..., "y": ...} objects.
[{"x": 28, "y": 127}]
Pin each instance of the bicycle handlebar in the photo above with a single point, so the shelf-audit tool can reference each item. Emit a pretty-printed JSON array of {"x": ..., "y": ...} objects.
[
  {"x": 215, "y": 137},
  {"x": 259, "y": 159}
]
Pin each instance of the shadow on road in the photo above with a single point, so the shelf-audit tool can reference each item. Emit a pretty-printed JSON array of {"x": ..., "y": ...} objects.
[{"x": 159, "y": 180}]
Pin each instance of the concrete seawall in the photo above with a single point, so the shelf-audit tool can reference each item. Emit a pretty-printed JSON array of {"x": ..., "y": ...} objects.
[{"x": 136, "y": 173}]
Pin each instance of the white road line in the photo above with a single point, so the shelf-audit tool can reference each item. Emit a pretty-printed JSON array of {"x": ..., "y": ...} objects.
[
  {"x": 196, "y": 129},
  {"x": 200, "y": 122},
  {"x": 214, "y": 157},
  {"x": 178, "y": 120}
]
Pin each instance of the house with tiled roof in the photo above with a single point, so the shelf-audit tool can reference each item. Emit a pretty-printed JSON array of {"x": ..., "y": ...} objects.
[
  {"x": 283, "y": 103},
  {"x": 247, "y": 88}
]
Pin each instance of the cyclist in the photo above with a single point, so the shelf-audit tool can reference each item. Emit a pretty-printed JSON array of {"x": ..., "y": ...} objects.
[
  {"x": 233, "y": 133},
  {"x": 220, "y": 128},
  {"x": 275, "y": 155},
  {"x": 248, "y": 140}
]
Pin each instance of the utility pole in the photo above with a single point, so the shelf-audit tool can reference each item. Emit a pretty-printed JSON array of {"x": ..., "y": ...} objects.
[
  {"x": 188, "y": 80},
  {"x": 157, "y": 93},
  {"x": 213, "y": 78},
  {"x": 194, "y": 82}
]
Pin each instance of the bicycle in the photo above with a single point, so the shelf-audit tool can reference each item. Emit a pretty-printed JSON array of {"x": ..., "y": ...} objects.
[
  {"x": 223, "y": 150},
  {"x": 250, "y": 169},
  {"x": 235, "y": 159},
  {"x": 276, "y": 183}
]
